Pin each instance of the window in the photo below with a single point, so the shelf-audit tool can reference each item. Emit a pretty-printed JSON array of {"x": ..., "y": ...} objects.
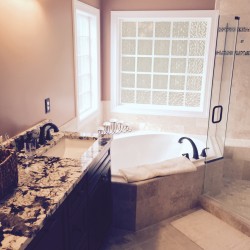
[
  {"x": 87, "y": 59},
  {"x": 162, "y": 61}
]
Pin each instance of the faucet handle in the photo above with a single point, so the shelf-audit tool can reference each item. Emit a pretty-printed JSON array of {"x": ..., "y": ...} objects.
[
  {"x": 49, "y": 137},
  {"x": 186, "y": 155},
  {"x": 203, "y": 152}
]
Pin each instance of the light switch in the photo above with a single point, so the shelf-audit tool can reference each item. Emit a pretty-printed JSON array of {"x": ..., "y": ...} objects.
[{"x": 47, "y": 105}]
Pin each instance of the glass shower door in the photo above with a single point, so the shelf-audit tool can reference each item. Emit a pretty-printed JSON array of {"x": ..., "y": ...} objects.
[{"x": 221, "y": 88}]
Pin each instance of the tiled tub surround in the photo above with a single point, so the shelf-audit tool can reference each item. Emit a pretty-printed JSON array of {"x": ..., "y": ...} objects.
[
  {"x": 44, "y": 183},
  {"x": 140, "y": 204}
]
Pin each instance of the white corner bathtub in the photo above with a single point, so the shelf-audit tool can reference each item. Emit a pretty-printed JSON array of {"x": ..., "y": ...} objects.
[{"x": 143, "y": 147}]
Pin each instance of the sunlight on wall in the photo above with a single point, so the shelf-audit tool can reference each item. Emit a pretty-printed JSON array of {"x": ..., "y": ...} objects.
[
  {"x": 24, "y": 5},
  {"x": 20, "y": 15},
  {"x": 21, "y": 24}
]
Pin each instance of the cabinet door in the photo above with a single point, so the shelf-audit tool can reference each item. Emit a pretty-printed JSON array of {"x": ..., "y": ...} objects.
[
  {"x": 50, "y": 237},
  {"x": 77, "y": 216},
  {"x": 99, "y": 215},
  {"x": 78, "y": 228}
]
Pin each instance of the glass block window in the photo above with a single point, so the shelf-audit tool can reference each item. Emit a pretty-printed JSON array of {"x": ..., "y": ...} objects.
[
  {"x": 162, "y": 62},
  {"x": 87, "y": 59}
]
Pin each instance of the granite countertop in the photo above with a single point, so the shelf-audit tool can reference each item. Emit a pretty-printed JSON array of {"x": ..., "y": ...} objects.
[{"x": 44, "y": 183}]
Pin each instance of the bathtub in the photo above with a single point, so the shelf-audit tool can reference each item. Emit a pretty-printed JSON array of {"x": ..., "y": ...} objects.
[
  {"x": 140, "y": 204},
  {"x": 140, "y": 147}
]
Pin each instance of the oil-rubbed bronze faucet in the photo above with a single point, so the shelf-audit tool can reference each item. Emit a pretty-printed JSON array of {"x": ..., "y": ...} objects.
[
  {"x": 195, "y": 150},
  {"x": 43, "y": 137},
  {"x": 203, "y": 152}
]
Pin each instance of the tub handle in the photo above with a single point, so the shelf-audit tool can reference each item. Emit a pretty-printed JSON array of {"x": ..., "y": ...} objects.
[
  {"x": 186, "y": 155},
  {"x": 203, "y": 152}
]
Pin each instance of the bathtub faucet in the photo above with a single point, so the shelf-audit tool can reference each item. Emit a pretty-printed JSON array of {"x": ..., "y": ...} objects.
[{"x": 195, "y": 150}]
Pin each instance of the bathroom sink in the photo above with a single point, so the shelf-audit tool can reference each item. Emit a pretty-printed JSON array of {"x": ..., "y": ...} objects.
[{"x": 70, "y": 148}]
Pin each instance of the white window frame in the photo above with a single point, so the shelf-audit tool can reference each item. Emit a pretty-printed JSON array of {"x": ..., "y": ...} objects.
[
  {"x": 94, "y": 14},
  {"x": 160, "y": 15}
]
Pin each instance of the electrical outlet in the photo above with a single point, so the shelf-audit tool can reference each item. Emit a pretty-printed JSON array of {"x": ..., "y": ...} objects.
[{"x": 47, "y": 105}]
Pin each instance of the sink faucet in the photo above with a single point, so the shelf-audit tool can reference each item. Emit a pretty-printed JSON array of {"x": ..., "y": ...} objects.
[
  {"x": 42, "y": 137},
  {"x": 195, "y": 151}
]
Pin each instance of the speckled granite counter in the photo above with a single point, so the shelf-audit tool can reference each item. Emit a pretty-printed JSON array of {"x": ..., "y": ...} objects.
[{"x": 44, "y": 183}]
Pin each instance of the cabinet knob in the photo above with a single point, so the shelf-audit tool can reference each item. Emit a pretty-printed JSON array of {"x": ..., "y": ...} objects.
[{"x": 105, "y": 177}]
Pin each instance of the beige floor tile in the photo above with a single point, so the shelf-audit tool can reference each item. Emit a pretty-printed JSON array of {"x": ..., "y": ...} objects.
[
  {"x": 235, "y": 195},
  {"x": 210, "y": 233},
  {"x": 170, "y": 239},
  {"x": 197, "y": 230},
  {"x": 161, "y": 236},
  {"x": 175, "y": 240}
]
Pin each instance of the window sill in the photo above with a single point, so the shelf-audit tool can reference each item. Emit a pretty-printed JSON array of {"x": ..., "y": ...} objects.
[{"x": 133, "y": 109}]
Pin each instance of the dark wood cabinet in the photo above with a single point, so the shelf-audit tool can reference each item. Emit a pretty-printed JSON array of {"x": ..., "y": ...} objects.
[
  {"x": 77, "y": 216},
  {"x": 83, "y": 219},
  {"x": 99, "y": 204}
]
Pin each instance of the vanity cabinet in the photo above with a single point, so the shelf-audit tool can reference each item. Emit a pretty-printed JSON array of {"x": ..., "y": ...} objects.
[
  {"x": 99, "y": 202},
  {"x": 83, "y": 219},
  {"x": 77, "y": 230}
]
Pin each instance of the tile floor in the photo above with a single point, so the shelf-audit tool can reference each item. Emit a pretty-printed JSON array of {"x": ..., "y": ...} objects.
[
  {"x": 194, "y": 230},
  {"x": 235, "y": 195}
]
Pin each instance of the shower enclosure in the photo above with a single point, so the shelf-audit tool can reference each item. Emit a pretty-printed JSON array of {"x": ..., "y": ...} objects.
[
  {"x": 227, "y": 175},
  {"x": 222, "y": 85}
]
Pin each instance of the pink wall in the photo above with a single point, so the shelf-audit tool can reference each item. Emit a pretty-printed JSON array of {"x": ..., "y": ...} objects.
[
  {"x": 112, "y": 5},
  {"x": 36, "y": 61},
  {"x": 94, "y": 3}
]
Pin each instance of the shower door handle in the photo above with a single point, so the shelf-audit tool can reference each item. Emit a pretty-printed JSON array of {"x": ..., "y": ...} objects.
[{"x": 220, "y": 108}]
